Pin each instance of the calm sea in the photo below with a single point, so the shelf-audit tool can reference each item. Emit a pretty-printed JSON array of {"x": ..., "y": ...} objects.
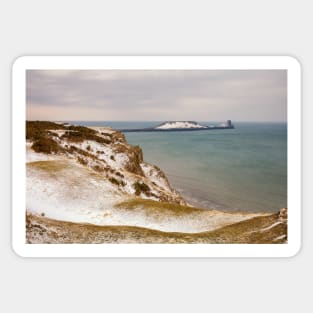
[{"x": 241, "y": 169}]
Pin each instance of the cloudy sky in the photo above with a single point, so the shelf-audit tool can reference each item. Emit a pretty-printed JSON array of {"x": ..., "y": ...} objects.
[{"x": 156, "y": 95}]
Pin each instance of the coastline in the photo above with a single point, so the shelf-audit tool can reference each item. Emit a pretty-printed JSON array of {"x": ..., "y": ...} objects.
[
  {"x": 244, "y": 169},
  {"x": 92, "y": 175}
]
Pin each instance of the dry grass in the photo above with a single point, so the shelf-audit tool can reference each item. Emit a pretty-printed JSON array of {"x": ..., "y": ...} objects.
[
  {"x": 44, "y": 230},
  {"x": 155, "y": 207},
  {"x": 141, "y": 187},
  {"x": 81, "y": 133},
  {"x": 250, "y": 231},
  {"x": 46, "y": 145},
  {"x": 37, "y": 129},
  {"x": 50, "y": 166}
]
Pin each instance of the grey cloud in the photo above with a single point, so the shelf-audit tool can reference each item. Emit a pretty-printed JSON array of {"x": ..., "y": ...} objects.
[{"x": 246, "y": 94}]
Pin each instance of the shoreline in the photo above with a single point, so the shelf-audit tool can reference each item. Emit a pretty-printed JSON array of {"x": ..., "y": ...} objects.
[{"x": 93, "y": 176}]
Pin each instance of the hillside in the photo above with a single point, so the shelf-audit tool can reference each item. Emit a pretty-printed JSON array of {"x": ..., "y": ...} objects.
[
  {"x": 80, "y": 179},
  {"x": 261, "y": 230}
]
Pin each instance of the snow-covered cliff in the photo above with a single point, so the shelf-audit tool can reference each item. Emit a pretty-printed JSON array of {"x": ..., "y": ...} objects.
[
  {"x": 80, "y": 179},
  {"x": 74, "y": 168}
]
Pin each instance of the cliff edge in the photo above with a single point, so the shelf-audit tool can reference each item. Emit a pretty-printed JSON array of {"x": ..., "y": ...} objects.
[{"x": 88, "y": 185}]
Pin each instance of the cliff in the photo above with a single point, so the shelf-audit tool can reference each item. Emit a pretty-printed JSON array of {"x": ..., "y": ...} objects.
[
  {"x": 103, "y": 151},
  {"x": 88, "y": 185}
]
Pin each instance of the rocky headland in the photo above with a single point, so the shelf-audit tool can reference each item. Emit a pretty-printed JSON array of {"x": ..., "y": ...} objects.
[{"x": 88, "y": 185}]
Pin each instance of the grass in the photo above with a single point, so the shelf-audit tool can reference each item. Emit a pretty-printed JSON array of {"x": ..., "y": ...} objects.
[
  {"x": 46, "y": 145},
  {"x": 141, "y": 187},
  {"x": 81, "y": 133},
  {"x": 250, "y": 231},
  {"x": 50, "y": 166},
  {"x": 82, "y": 161},
  {"x": 119, "y": 174},
  {"x": 114, "y": 181},
  {"x": 39, "y": 132},
  {"x": 157, "y": 207},
  {"x": 37, "y": 129},
  {"x": 74, "y": 149},
  {"x": 44, "y": 230}
]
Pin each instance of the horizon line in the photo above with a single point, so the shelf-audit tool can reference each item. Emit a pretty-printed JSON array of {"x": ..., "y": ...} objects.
[{"x": 239, "y": 121}]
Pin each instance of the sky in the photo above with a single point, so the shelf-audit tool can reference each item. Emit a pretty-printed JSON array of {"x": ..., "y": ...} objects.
[{"x": 156, "y": 95}]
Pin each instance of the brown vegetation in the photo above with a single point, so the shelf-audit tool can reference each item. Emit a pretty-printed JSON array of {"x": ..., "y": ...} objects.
[
  {"x": 44, "y": 230},
  {"x": 98, "y": 168},
  {"x": 37, "y": 129},
  {"x": 39, "y": 132},
  {"x": 46, "y": 145},
  {"x": 74, "y": 149},
  {"x": 135, "y": 156},
  {"x": 114, "y": 181},
  {"x": 82, "y": 161},
  {"x": 81, "y": 133},
  {"x": 119, "y": 174},
  {"x": 141, "y": 187}
]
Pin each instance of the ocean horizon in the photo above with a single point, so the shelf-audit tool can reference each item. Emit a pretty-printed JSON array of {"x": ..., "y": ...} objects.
[{"x": 240, "y": 169}]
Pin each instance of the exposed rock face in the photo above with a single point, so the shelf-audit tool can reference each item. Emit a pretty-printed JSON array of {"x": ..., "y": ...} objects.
[
  {"x": 135, "y": 157},
  {"x": 283, "y": 214}
]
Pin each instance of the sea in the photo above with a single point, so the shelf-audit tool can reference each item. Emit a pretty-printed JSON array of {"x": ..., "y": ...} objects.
[{"x": 242, "y": 169}]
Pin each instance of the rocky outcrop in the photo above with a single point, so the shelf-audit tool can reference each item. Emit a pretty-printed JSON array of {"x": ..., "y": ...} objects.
[
  {"x": 88, "y": 185},
  {"x": 106, "y": 152},
  {"x": 283, "y": 214},
  {"x": 135, "y": 157}
]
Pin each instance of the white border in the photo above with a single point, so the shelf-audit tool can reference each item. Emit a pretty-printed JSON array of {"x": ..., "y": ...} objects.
[{"x": 156, "y": 250}]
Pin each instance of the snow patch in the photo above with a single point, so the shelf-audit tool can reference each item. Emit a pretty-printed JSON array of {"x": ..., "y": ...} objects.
[
  {"x": 102, "y": 129},
  {"x": 32, "y": 156},
  {"x": 154, "y": 176},
  {"x": 270, "y": 227},
  {"x": 75, "y": 193},
  {"x": 280, "y": 237},
  {"x": 180, "y": 124}
]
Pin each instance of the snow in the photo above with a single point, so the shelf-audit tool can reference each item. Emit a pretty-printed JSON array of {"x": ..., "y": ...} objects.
[
  {"x": 280, "y": 237},
  {"x": 102, "y": 129},
  {"x": 75, "y": 193},
  {"x": 72, "y": 193},
  {"x": 32, "y": 156},
  {"x": 65, "y": 190},
  {"x": 60, "y": 132},
  {"x": 118, "y": 162},
  {"x": 121, "y": 159},
  {"x": 180, "y": 124},
  {"x": 271, "y": 226},
  {"x": 153, "y": 174}
]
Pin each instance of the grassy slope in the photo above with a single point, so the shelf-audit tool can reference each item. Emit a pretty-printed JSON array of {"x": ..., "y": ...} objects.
[
  {"x": 44, "y": 230},
  {"x": 152, "y": 207}
]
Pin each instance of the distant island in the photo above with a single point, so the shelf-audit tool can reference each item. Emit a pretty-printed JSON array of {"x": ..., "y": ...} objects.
[{"x": 181, "y": 126}]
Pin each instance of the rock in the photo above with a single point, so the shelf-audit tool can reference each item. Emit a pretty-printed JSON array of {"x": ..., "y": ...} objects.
[{"x": 283, "y": 214}]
